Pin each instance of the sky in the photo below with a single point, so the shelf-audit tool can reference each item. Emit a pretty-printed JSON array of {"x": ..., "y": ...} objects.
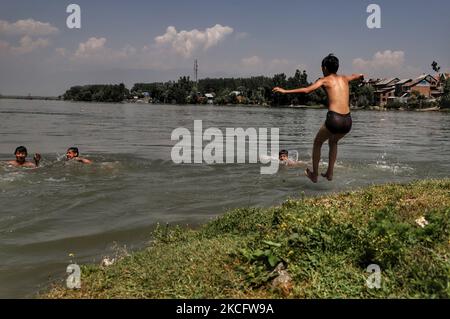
[{"x": 149, "y": 41}]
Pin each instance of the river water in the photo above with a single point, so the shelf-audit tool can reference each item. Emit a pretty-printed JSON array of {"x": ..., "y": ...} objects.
[{"x": 67, "y": 208}]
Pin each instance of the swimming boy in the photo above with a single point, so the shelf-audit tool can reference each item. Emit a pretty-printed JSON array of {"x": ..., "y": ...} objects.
[
  {"x": 21, "y": 154},
  {"x": 73, "y": 154},
  {"x": 339, "y": 121},
  {"x": 283, "y": 157}
]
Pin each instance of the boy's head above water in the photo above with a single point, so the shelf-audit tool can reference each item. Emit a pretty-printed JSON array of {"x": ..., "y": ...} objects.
[
  {"x": 283, "y": 155},
  {"x": 21, "y": 154},
  {"x": 72, "y": 152},
  {"x": 330, "y": 64}
]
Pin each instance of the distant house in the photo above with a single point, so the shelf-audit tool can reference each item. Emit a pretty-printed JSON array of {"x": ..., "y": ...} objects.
[
  {"x": 423, "y": 85},
  {"x": 384, "y": 90},
  {"x": 210, "y": 98},
  {"x": 383, "y": 95},
  {"x": 373, "y": 82},
  {"x": 147, "y": 98},
  {"x": 386, "y": 83},
  {"x": 400, "y": 87},
  {"x": 239, "y": 97},
  {"x": 441, "y": 80},
  {"x": 395, "y": 89}
]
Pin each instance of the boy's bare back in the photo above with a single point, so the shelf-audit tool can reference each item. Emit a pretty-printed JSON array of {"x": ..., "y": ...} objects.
[{"x": 338, "y": 93}]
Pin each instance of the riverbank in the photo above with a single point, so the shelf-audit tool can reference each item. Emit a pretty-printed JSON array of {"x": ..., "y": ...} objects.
[
  {"x": 30, "y": 97},
  {"x": 312, "y": 107},
  {"x": 325, "y": 243}
]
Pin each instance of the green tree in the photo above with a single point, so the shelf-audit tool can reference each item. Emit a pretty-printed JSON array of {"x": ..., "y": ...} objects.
[
  {"x": 280, "y": 81},
  {"x": 445, "y": 99},
  {"x": 435, "y": 66},
  {"x": 97, "y": 93}
]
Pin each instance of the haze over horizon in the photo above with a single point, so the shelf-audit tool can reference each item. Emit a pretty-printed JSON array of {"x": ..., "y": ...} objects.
[{"x": 149, "y": 41}]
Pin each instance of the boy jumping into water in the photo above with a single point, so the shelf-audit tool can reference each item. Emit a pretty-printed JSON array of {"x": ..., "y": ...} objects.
[
  {"x": 21, "y": 154},
  {"x": 73, "y": 154},
  {"x": 338, "y": 122}
]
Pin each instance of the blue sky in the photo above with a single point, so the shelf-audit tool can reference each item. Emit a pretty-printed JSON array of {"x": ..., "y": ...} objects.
[{"x": 118, "y": 40}]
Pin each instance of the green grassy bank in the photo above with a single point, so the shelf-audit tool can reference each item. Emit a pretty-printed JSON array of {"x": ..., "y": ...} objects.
[{"x": 325, "y": 243}]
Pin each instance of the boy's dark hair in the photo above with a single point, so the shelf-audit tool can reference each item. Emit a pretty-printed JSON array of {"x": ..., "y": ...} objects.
[
  {"x": 331, "y": 63},
  {"x": 21, "y": 149},
  {"x": 74, "y": 149},
  {"x": 283, "y": 152}
]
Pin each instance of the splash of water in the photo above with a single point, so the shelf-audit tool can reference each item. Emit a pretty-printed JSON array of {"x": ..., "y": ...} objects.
[{"x": 385, "y": 164}]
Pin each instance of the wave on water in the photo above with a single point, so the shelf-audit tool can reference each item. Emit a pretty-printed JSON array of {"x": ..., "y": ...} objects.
[
  {"x": 55, "y": 168},
  {"x": 38, "y": 113},
  {"x": 55, "y": 180},
  {"x": 11, "y": 176},
  {"x": 385, "y": 164}
]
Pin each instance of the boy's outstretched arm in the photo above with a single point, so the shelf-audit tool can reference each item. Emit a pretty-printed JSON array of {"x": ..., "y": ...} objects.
[
  {"x": 83, "y": 160},
  {"x": 306, "y": 90},
  {"x": 37, "y": 158},
  {"x": 354, "y": 77}
]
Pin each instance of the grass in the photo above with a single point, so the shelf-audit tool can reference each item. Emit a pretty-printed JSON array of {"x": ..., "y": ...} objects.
[{"x": 326, "y": 244}]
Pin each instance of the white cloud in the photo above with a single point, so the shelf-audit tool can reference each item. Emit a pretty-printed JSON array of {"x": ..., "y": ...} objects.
[
  {"x": 95, "y": 50},
  {"x": 386, "y": 59},
  {"x": 27, "y": 27},
  {"x": 93, "y": 46},
  {"x": 185, "y": 43},
  {"x": 162, "y": 54},
  {"x": 252, "y": 61},
  {"x": 242, "y": 35},
  {"x": 26, "y": 45}
]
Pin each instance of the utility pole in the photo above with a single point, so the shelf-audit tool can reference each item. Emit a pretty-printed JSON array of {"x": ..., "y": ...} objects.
[{"x": 196, "y": 73}]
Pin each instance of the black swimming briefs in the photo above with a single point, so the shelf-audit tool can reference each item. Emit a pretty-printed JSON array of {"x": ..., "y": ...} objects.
[{"x": 338, "y": 123}]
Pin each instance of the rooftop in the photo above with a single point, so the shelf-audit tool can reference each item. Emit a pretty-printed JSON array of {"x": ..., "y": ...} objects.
[{"x": 388, "y": 81}]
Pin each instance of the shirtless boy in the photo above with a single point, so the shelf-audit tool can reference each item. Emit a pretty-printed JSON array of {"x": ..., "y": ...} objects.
[
  {"x": 283, "y": 157},
  {"x": 73, "y": 154},
  {"x": 21, "y": 154},
  {"x": 338, "y": 122}
]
